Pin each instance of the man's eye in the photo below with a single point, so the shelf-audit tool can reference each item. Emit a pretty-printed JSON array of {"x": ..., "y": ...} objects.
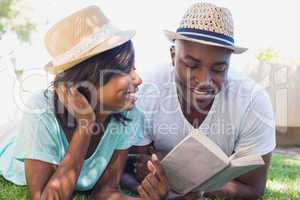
[
  {"x": 191, "y": 65},
  {"x": 219, "y": 69}
]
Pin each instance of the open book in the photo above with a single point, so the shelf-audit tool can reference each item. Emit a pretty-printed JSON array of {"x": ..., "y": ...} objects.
[{"x": 198, "y": 164}]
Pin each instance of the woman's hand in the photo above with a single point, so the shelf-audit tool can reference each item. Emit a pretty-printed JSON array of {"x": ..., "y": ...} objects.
[
  {"x": 155, "y": 186},
  {"x": 76, "y": 104}
]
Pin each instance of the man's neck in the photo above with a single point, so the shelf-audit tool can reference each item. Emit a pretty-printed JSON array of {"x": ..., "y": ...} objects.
[{"x": 195, "y": 116}]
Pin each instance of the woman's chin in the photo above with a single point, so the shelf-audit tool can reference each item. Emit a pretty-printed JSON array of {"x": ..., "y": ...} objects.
[{"x": 128, "y": 105}]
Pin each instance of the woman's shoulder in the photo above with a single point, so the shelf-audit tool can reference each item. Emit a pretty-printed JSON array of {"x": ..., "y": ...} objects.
[
  {"x": 135, "y": 114},
  {"x": 39, "y": 106},
  {"x": 132, "y": 130},
  {"x": 39, "y": 102}
]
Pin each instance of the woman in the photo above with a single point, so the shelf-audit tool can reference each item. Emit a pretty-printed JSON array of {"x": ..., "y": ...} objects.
[{"x": 77, "y": 135}]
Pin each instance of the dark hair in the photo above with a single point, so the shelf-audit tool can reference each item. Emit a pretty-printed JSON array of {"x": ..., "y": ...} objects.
[{"x": 96, "y": 70}]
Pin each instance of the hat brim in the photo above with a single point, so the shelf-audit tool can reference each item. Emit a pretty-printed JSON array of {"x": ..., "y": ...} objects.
[
  {"x": 172, "y": 36},
  {"x": 110, "y": 43}
]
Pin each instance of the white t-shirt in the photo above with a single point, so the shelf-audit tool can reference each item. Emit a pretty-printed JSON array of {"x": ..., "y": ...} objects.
[{"x": 241, "y": 114}]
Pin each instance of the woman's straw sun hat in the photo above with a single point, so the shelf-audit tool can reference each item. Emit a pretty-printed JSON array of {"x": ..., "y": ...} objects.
[{"x": 80, "y": 36}]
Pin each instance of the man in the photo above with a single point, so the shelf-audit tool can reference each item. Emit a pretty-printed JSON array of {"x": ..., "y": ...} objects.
[{"x": 198, "y": 92}]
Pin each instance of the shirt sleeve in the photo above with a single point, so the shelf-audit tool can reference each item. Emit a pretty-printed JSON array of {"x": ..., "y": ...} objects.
[
  {"x": 36, "y": 140},
  {"x": 148, "y": 104},
  {"x": 133, "y": 131},
  {"x": 147, "y": 136},
  {"x": 257, "y": 130}
]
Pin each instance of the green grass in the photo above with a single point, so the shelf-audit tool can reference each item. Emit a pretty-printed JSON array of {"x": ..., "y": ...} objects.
[
  {"x": 283, "y": 182},
  {"x": 283, "y": 179}
]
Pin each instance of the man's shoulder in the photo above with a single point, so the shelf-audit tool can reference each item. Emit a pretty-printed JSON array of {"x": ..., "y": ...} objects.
[
  {"x": 242, "y": 87},
  {"x": 156, "y": 85},
  {"x": 158, "y": 81},
  {"x": 243, "y": 96}
]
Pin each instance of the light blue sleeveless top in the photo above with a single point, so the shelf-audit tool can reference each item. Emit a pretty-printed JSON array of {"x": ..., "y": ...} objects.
[{"x": 40, "y": 137}]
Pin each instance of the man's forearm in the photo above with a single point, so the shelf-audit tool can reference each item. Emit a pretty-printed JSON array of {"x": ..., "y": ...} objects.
[{"x": 236, "y": 190}]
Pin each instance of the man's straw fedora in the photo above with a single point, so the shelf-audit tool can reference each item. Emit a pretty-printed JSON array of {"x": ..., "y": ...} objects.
[{"x": 207, "y": 24}]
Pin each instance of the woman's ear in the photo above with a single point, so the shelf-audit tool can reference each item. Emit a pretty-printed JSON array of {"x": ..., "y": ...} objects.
[{"x": 172, "y": 52}]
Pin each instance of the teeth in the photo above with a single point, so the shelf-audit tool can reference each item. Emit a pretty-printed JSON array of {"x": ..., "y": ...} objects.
[
  {"x": 201, "y": 93},
  {"x": 131, "y": 94}
]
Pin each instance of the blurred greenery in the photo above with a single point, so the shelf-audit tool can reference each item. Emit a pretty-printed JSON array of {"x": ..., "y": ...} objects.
[
  {"x": 12, "y": 19},
  {"x": 266, "y": 55}
]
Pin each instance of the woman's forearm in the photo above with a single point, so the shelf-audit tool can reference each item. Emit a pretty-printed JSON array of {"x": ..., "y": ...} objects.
[{"x": 63, "y": 181}]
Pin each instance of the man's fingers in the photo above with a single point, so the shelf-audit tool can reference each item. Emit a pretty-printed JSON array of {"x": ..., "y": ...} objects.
[
  {"x": 143, "y": 193},
  {"x": 151, "y": 167},
  {"x": 150, "y": 190},
  {"x": 140, "y": 168},
  {"x": 155, "y": 167},
  {"x": 156, "y": 184},
  {"x": 141, "y": 173}
]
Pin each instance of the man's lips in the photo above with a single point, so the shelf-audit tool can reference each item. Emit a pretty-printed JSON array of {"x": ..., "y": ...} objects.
[{"x": 203, "y": 91}]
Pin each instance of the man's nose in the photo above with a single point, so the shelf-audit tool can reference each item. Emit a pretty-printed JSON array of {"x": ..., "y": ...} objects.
[{"x": 203, "y": 76}]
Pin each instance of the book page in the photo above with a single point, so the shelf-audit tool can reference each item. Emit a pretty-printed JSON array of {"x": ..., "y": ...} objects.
[
  {"x": 243, "y": 152},
  {"x": 209, "y": 144},
  {"x": 237, "y": 168},
  {"x": 191, "y": 163},
  {"x": 247, "y": 160}
]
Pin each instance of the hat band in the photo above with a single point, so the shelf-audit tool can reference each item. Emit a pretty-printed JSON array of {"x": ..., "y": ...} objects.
[
  {"x": 86, "y": 44},
  {"x": 208, "y": 36}
]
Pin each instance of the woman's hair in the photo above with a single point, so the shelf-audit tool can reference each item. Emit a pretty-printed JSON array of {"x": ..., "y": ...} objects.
[{"x": 95, "y": 71}]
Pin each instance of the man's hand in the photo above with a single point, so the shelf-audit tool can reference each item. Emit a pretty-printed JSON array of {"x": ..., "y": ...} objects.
[
  {"x": 140, "y": 166},
  {"x": 140, "y": 163},
  {"x": 155, "y": 185}
]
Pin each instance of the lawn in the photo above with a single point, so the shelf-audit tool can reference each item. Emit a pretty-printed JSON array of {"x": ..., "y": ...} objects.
[{"x": 283, "y": 182}]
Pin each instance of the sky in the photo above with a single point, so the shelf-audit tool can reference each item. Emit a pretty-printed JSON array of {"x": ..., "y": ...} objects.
[{"x": 258, "y": 25}]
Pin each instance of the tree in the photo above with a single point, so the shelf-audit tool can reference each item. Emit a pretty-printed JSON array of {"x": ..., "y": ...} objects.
[
  {"x": 12, "y": 20},
  {"x": 266, "y": 55}
]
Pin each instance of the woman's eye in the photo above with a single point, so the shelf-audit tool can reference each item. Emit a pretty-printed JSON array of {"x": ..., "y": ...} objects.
[{"x": 128, "y": 70}]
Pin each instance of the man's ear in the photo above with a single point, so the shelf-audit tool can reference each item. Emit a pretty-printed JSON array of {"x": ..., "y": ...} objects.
[{"x": 172, "y": 53}]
